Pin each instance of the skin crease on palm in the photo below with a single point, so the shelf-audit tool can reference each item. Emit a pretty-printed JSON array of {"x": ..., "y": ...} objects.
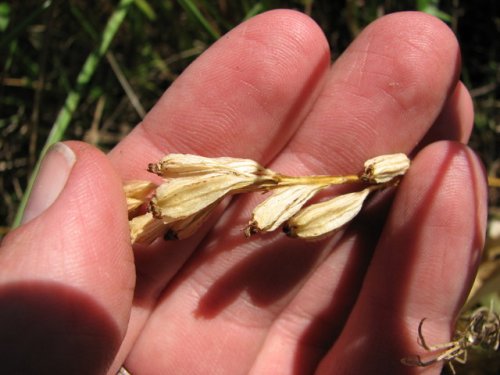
[{"x": 219, "y": 303}]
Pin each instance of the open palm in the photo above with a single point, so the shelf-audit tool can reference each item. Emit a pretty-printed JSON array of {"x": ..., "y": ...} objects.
[{"x": 74, "y": 296}]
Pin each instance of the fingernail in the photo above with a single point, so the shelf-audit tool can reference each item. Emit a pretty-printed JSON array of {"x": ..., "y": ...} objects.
[{"x": 54, "y": 171}]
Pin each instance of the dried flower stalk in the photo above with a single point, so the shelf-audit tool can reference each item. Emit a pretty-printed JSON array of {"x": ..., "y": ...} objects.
[{"x": 194, "y": 185}]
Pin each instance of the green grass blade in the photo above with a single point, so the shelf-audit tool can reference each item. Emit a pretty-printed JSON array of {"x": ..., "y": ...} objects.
[
  {"x": 254, "y": 10},
  {"x": 25, "y": 23},
  {"x": 432, "y": 7},
  {"x": 146, "y": 9},
  {"x": 80, "y": 17},
  {"x": 190, "y": 7},
  {"x": 73, "y": 99},
  {"x": 4, "y": 16}
]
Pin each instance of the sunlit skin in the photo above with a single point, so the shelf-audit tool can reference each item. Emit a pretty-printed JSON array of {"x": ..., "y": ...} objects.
[{"x": 76, "y": 298}]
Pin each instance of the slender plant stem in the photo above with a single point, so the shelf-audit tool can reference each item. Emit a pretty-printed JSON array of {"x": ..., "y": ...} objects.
[
  {"x": 110, "y": 57},
  {"x": 25, "y": 23},
  {"x": 190, "y": 7},
  {"x": 73, "y": 99},
  {"x": 320, "y": 180},
  {"x": 494, "y": 181},
  {"x": 280, "y": 181}
]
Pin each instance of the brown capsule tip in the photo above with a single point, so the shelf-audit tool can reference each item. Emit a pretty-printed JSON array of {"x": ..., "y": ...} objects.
[
  {"x": 170, "y": 235},
  {"x": 250, "y": 230},
  {"x": 289, "y": 230},
  {"x": 154, "y": 209},
  {"x": 154, "y": 168}
]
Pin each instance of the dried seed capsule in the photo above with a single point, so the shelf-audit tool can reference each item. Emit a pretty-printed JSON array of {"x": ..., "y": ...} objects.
[
  {"x": 321, "y": 219},
  {"x": 186, "y": 165},
  {"x": 384, "y": 168},
  {"x": 185, "y": 228},
  {"x": 137, "y": 192},
  {"x": 182, "y": 197},
  {"x": 146, "y": 228},
  {"x": 279, "y": 207},
  {"x": 195, "y": 182}
]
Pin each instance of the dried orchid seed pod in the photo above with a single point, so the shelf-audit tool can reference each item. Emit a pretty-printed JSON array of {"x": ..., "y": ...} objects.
[
  {"x": 384, "y": 168},
  {"x": 321, "y": 219},
  {"x": 194, "y": 185},
  {"x": 146, "y": 228},
  {"x": 182, "y": 197},
  {"x": 195, "y": 182},
  {"x": 185, "y": 165},
  {"x": 137, "y": 193},
  {"x": 185, "y": 228},
  {"x": 280, "y": 206}
]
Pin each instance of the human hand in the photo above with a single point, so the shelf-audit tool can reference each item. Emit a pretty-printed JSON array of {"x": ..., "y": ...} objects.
[{"x": 74, "y": 298}]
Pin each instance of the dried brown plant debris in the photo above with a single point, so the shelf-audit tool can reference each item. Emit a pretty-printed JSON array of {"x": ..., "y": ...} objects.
[
  {"x": 194, "y": 185},
  {"x": 480, "y": 331}
]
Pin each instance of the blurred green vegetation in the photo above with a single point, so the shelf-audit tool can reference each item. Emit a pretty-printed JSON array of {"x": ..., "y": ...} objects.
[{"x": 59, "y": 79}]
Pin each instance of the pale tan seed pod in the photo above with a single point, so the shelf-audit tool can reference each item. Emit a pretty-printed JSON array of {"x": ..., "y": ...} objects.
[
  {"x": 321, "y": 219},
  {"x": 185, "y": 228},
  {"x": 194, "y": 185},
  {"x": 384, "y": 168},
  {"x": 137, "y": 193},
  {"x": 279, "y": 207},
  {"x": 186, "y": 165},
  {"x": 195, "y": 182},
  {"x": 182, "y": 197},
  {"x": 146, "y": 228}
]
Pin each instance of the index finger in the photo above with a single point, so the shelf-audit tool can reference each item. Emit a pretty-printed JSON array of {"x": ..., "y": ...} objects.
[{"x": 245, "y": 96}]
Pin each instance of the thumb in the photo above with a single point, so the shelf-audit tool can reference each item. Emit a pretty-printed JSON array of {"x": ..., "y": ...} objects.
[{"x": 67, "y": 273}]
